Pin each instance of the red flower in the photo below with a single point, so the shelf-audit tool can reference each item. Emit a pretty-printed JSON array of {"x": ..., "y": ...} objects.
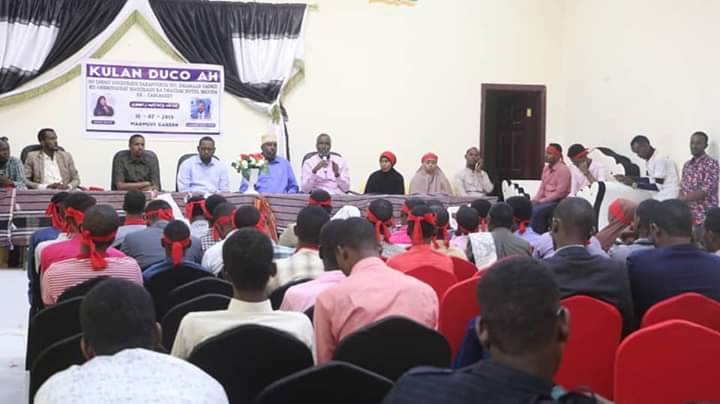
[{"x": 243, "y": 156}]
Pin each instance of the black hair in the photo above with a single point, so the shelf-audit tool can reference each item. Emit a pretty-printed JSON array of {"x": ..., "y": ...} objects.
[
  {"x": 133, "y": 137},
  {"x": 467, "y": 218},
  {"x": 156, "y": 205},
  {"x": 248, "y": 259},
  {"x": 176, "y": 230},
  {"x": 521, "y": 206},
  {"x": 101, "y": 220},
  {"x": 481, "y": 206},
  {"x": 712, "y": 220},
  {"x": 206, "y": 139},
  {"x": 197, "y": 209},
  {"x": 412, "y": 202},
  {"x": 701, "y": 134},
  {"x": 557, "y": 146},
  {"x": 577, "y": 216},
  {"x": 246, "y": 216},
  {"x": 223, "y": 209},
  {"x": 434, "y": 202},
  {"x": 329, "y": 235},
  {"x": 59, "y": 197},
  {"x": 573, "y": 150},
  {"x": 357, "y": 233},
  {"x": 645, "y": 211},
  {"x": 501, "y": 215},
  {"x": 213, "y": 201},
  {"x": 639, "y": 139},
  {"x": 427, "y": 229},
  {"x": 79, "y": 201},
  {"x": 309, "y": 222},
  {"x": 42, "y": 133},
  {"x": 442, "y": 217},
  {"x": 321, "y": 195},
  {"x": 673, "y": 216},
  {"x": 134, "y": 202},
  {"x": 118, "y": 314},
  {"x": 381, "y": 208},
  {"x": 519, "y": 302}
]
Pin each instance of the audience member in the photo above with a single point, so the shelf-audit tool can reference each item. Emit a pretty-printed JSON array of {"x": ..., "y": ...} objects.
[
  {"x": 98, "y": 231},
  {"x": 136, "y": 169},
  {"x": 661, "y": 172},
  {"x": 318, "y": 197},
  {"x": 386, "y": 180},
  {"x": 580, "y": 273},
  {"x": 554, "y": 187},
  {"x": 120, "y": 340},
  {"x": 279, "y": 179},
  {"x": 50, "y": 167},
  {"x": 325, "y": 169},
  {"x": 211, "y": 203},
  {"x": 203, "y": 172},
  {"x": 429, "y": 178},
  {"x": 473, "y": 180},
  {"x": 584, "y": 171},
  {"x": 711, "y": 235},
  {"x": 302, "y": 297},
  {"x": 176, "y": 241},
  {"x": 677, "y": 265},
  {"x": 621, "y": 214},
  {"x": 522, "y": 213},
  {"x": 145, "y": 245},
  {"x": 400, "y": 236},
  {"x": 12, "y": 173},
  {"x": 223, "y": 226},
  {"x": 421, "y": 230},
  {"x": 442, "y": 234},
  {"x": 197, "y": 213},
  {"x": 371, "y": 291},
  {"x": 482, "y": 206},
  {"x": 544, "y": 248},
  {"x": 500, "y": 225},
  {"x": 700, "y": 176},
  {"x": 248, "y": 256},
  {"x": 305, "y": 262},
  {"x": 525, "y": 329},
  {"x": 133, "y": 205},
  {"x": 380, "y": 214},
  {"x": 641, "y": 232},
  {"x": 468, "y": 222}
]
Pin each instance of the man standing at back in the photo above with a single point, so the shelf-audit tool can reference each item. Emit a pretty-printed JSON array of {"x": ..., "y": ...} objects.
[
  {"x": 700, "y": 174},
  {"x": 203, "y": 172},
  {"x": 661, "y": 172},
  {"x": 554, "y": 186},
  {"x": 50, "y": 167},
  {"x": 325, "y": 169},
  {"x": 676, "y": 265},
  {"x": 371, "y": 292},
  {"x": 136, "y": 169},
  {"x": 279, "y": 179}
]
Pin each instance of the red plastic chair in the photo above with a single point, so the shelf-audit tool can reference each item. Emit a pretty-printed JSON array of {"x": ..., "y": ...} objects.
[
  {"x": 595, "y": 330},
  {"x": 692, "y": 307},
  {"x": 457, "y": 307},
  {"x": 463, "y": 269},
  {"x": 675, "y": 361},
  {"x": 439, "y": 279}
]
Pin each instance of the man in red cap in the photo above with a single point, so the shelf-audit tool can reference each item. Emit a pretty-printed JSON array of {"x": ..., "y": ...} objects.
[{"x": 554, "y": 186}]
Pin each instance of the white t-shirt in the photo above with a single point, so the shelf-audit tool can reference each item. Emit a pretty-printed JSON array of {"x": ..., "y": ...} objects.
[{"x": 662, "y": 167}]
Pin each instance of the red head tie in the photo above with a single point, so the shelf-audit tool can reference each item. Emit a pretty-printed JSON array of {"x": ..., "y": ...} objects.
[
  {"x": 161, "y": 214},
  {"x": 390, "y": 156},
  {"x": 313, "y": 202},
  {"x": 417, "y": 236},
  {"x": 97, "y": 259},
  {"x": 221, "y": 221},
  {"x": 483, "y": 224},
  {"x": 429, "y": 156},
  {"x": 381, "y": 227},
  {"x": 260, "y": 225},
  {"x": 52, "y": 211},
  {"x": 190, "y": 206},
  {"x": 617, "y": 212},
  {"x": 581, "y": 154},
  {"x": 522, "y": 225},
  {"x": 77, "y": 215},
  {"x": 177, "y": 249},
  {"x": 133, "y": 220}
]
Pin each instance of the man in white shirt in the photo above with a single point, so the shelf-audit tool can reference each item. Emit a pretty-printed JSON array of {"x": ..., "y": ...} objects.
[
  {"x": 223, "y": 227},
  {"x": 473, "y": 180},
  {"x": 248, "y": 255},
  {"x": 661, "y": 172},
  {"x": 119, "y": 338},
  {"x": 585, "y": 171}
]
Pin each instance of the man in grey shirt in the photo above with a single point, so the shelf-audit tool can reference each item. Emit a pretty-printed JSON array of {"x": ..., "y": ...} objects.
[
  {"x": 641, "y": 224},
  {"x": 133, "y": 205},
  {"x": 145, "y": 245}
]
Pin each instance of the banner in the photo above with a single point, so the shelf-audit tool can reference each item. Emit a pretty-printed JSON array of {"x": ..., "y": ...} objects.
[{"x": 177, "y": 101}]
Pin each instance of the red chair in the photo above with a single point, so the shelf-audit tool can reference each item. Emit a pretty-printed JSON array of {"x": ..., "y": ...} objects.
[
  {"x": 439, "y": 279},
  {"x": 463, "y": 269},
  {"x": 692, "y": 307},
  {"x": 457, "y": 307},
  {"x": 595, "y": 330},
  {"x": 675, "y": 361}
]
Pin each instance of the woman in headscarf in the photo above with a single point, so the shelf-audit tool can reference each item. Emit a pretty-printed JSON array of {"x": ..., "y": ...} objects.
[
  {"x": 386, "y": 180},
  {"x": 429, "y": 178},
  {"x": 620, "y": 216}
]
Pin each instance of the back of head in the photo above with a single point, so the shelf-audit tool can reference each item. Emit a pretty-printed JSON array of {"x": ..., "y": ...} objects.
[
  {"x": 412, "y": 202},
  {"x": 674, "y": 218},
  {"x": 309, "y": 222},
  {"x": 467, "y": 219},
  {"x": 79, "y": 201},
  {"x": 481, "y": 206},
  {"x": 101, "y": 220},
  {"x": 248, "y": 259},
  {"x": 644, "y": 213},
  {"x": 381, "y": 208},
  {"x": 357, "y": 233},
  {"x": 213, "y": 201},
  {"x": 134, "y": 202},
  {"x": 158, "y": 210},
  {"x": 157, "y": 204},
  {"x": 576, "y": 216},
  {"x": 246, "y": 216},
  {"x": 520, "y": 301},
  {"x": 501, "y": 215},
  {"x": 222, "y": 210},
  {"x": 521, "y": 207},
  {"x": 118, "y": 314},
  {"x": 639, "y": 139},
  {"x": 428, "y": 229},
  {"x": 60, "y": 197},
  {"x": 442, "y": 217},
  {"x": 329, "y": 235},
  {"x": 176, "y": 230},
  {"x": 322, "y": 198},
  {"x": 196, "y": 211}
]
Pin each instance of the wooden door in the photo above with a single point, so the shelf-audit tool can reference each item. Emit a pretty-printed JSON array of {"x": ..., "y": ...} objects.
[{"x": 518, "y": 141}]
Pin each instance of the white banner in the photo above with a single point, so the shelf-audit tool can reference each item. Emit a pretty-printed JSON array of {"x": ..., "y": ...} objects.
[{"x": 178, "y": 101}]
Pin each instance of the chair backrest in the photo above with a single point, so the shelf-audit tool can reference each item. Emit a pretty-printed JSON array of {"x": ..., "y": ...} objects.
[
  {"x": 589, "y": 356},
  {"x": 31, "y": 148},
  {"x": 196, "y": 288},
  {"x": 181, "y": 160},
  {"x": 81, "y": 289},
  {"x": 308, "y": 155},
  {"x": 51, "y": 325},
  {"x": 330, "y": 383},
  {"x": 171, "y": 321},
  {"x": 160, "y": 285},
  {"x": 629, "y": 168},
  {"x": 115, "y": 161},
  {"x": 55, "y": 358},
  {"x": 277, "y": 295},
  {"x": 457, "y": 307},
  {"x": 463, "y": 269},
  {"x": 392, "y": 346},
  {"x": 691, "y": 306},
  {"x": 248, "y": 358},
  {"x": 675, "y": 361},
  {"x": 439, "y": 279}
]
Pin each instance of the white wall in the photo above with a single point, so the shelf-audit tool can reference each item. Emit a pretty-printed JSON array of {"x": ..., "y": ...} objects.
[{"x": 377, "y": 77}]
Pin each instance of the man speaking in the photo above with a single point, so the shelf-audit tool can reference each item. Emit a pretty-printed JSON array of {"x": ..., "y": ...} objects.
[{"x": 325, "y": 170}]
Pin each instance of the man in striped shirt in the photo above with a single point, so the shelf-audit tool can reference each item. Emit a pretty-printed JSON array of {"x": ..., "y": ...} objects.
[{"x": 98, "y": 232}]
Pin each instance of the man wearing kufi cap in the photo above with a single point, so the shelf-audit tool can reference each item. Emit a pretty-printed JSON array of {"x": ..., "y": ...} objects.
[{"x": 279, "y": 179}]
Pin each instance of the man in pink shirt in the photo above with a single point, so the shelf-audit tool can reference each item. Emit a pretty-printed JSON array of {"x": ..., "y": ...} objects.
[
  {"x": 554, "y": 186},
  {"x": 421, "y": 229},
  {"x": 371, "y": 291},
  {"x": 585, "y": 171},
  {"x": 302, "y": 297},
  {"x": 325, "y": 170}
]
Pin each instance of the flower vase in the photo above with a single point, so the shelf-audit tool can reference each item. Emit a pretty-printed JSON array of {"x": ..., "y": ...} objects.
[{"x": 252, "y": 180}]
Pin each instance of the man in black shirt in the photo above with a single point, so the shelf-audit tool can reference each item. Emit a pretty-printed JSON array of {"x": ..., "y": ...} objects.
[{"x": 136, "y": 168}]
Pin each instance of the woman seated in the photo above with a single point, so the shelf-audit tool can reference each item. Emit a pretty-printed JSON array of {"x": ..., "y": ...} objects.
[
  {"x": 386, "y": 180},
  {"x": 429, "y": 178}
]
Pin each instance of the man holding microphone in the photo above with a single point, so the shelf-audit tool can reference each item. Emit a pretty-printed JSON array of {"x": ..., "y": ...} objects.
[{"x": 325, "y": 170}]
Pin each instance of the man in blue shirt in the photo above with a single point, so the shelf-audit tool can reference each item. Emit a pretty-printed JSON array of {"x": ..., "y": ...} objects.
[
  {"x": 203, "y": 173},
  {"x": 280, "y": 178}
]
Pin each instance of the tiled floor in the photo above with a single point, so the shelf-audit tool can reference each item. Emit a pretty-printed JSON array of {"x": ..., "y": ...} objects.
[{"x": 13, "y": 330}]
